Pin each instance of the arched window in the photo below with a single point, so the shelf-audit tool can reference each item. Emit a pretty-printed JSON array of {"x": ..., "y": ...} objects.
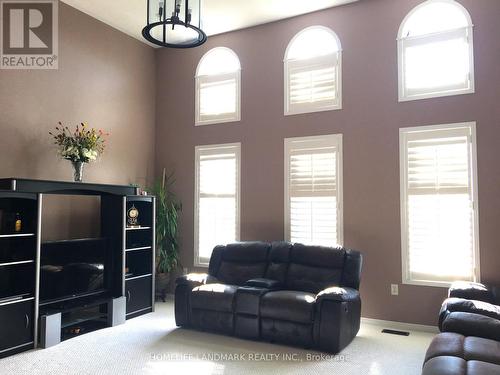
[
  {"x": 218, "y": 85},
  {"x": 313, "y": 73},
  {"x": 435, "y": 51}
]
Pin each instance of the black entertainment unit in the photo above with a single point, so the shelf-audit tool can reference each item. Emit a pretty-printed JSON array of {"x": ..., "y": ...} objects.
[{"x": 53, "y": 291}]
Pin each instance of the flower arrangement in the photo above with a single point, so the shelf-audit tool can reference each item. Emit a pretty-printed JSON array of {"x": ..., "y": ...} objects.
[{"x": 83, "y": 145}]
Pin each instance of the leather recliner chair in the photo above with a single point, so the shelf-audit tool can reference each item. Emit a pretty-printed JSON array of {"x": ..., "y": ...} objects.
[
  {"x": 470, "y": 340},
  {"x": 278, "y": 292},
  {"x": 471, "y": 309}
]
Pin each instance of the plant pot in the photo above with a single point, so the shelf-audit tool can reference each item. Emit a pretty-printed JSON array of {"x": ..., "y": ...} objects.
[{"x": 162, "y": 283}]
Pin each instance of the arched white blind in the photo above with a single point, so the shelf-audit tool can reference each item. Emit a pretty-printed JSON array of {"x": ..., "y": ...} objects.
[
  {"x": 218, "y": 79},
  {"x": 435, "y": 51},
  {"x": 312, "y": 68}
]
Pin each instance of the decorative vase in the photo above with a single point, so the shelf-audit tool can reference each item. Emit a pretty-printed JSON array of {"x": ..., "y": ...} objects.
[{"x": 78, "y": 170}]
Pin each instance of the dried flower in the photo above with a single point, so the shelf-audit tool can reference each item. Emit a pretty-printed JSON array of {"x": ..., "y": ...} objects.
[{"x": 83, "y": 145}]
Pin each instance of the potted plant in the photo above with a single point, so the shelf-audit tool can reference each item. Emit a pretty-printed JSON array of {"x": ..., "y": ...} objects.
[
  {"x": 168, "y": 208},
  {"x": 81, "y": 146}
]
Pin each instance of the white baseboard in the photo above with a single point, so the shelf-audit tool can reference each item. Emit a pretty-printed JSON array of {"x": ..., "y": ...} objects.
[{"x": 400, "y": 326}]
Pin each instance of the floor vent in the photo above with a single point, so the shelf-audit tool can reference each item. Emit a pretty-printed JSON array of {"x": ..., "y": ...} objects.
[{"x": 394, "y": 332}]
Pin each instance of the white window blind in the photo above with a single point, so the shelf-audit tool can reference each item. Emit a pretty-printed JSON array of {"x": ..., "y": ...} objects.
[
  {"x": 218, "y": 81},
  {"x": 313, "y": 193},
  {"x": 218, "y": 97},
  {"x": 436, "y": 51},
  {"x": 217, "y": 198},
  {"x": 312, "y": 83},
  {"x": 438, "y": 211},
  {"x": 312, "y": 69}
]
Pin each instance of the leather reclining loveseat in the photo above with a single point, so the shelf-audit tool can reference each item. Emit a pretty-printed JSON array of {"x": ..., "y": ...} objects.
[
  {"x": 470, "y": 340},
  {"x": 279, "y": 292}
]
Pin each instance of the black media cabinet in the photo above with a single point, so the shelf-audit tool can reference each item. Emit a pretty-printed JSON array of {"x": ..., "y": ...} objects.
[
  {"x": 139, "y": 252},
  {"x": 28, "y": 321}
]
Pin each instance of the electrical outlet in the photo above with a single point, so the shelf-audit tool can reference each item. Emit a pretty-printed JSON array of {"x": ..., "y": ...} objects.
[{"x": 394, "y": 289}]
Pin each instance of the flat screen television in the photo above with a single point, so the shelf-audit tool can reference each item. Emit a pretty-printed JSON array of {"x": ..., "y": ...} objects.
[{"x": 74, "y": 268}]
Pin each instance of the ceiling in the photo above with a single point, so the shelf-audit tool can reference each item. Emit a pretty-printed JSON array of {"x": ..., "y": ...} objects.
[{"x": 219, "y": 16}]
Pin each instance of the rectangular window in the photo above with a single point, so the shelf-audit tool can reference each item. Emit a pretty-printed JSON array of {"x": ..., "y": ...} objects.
[
  {"x": 217, "y": 200},
  {"x": 312, "y": 85},
  {"x": 439, "y": 204},
  {"x": 313, "y": 190},
  {"x": 217, "y": 98},
  {"x": 436, "y": 65}
]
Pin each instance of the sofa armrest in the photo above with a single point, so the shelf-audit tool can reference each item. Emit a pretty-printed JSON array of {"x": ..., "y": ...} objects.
[
  {"x": 195, "y": 279},
  {"x": 451, "y": 305},
  {"x": 469, "y": 324},
  {"x": 264, "y": 283},
  {"x": 338, "y": 294},
  {"x": 337, "y": 321},
  {"x": 184, "y": 286},
  {"x": 470, "y": 290}
]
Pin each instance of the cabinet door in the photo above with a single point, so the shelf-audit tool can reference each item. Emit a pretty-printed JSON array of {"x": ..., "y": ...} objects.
[
  {"x": 17, "y": 324},
  {"x": 138, "y": 293}
]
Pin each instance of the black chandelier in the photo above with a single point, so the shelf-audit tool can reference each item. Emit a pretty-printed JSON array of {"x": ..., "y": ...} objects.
[{"x": 177, "y": 31}]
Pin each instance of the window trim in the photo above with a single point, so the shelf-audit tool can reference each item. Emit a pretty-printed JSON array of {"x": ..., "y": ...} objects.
[
  {"x": 199, "y": 150},
  {"x": 406, "y": 279},
  {"x": 403, "y": 95},
  {"x": 311, "y": 108},
  {"x": 338, "y": 140},
  {"x": 224, "y": 118}
]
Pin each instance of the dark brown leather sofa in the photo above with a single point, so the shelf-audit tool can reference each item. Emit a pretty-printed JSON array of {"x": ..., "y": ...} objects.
[
  {"x": 278, "y": 292},
  {"x": 470, "y": 340}
]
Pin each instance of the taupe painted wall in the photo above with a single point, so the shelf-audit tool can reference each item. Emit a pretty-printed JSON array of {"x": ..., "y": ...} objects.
[
  {"x": 105, "y": 78},
  {"x": 108, "y": 79},
  {"x": 369, "y": 122}
]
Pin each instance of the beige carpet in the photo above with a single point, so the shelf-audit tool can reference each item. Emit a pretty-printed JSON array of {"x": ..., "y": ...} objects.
[{"x": 152, "y": 344}]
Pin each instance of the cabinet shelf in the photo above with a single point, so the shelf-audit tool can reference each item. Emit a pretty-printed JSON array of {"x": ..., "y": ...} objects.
[
  {"x": 17, "y": 263},
  {"x": 138, "y": 248},
  {"x": 138, "y": 277},
  {"x": 16, "y": 299},
  {"x": 78, "y": 320},
  {"x": 137, "y": 228},
  {"x": 17, "y": 235}
]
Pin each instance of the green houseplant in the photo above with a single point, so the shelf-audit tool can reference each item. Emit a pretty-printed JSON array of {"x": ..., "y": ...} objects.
[{"x": 168, "y": 208}]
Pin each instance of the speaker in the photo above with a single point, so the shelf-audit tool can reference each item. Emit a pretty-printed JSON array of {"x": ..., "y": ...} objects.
[
  {"x": 117, "y": 311},
  {"x": 50, "y": 330}
]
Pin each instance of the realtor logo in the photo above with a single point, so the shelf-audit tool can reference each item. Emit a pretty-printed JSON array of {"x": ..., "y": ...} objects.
[{"x": 29, "y": 34}]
